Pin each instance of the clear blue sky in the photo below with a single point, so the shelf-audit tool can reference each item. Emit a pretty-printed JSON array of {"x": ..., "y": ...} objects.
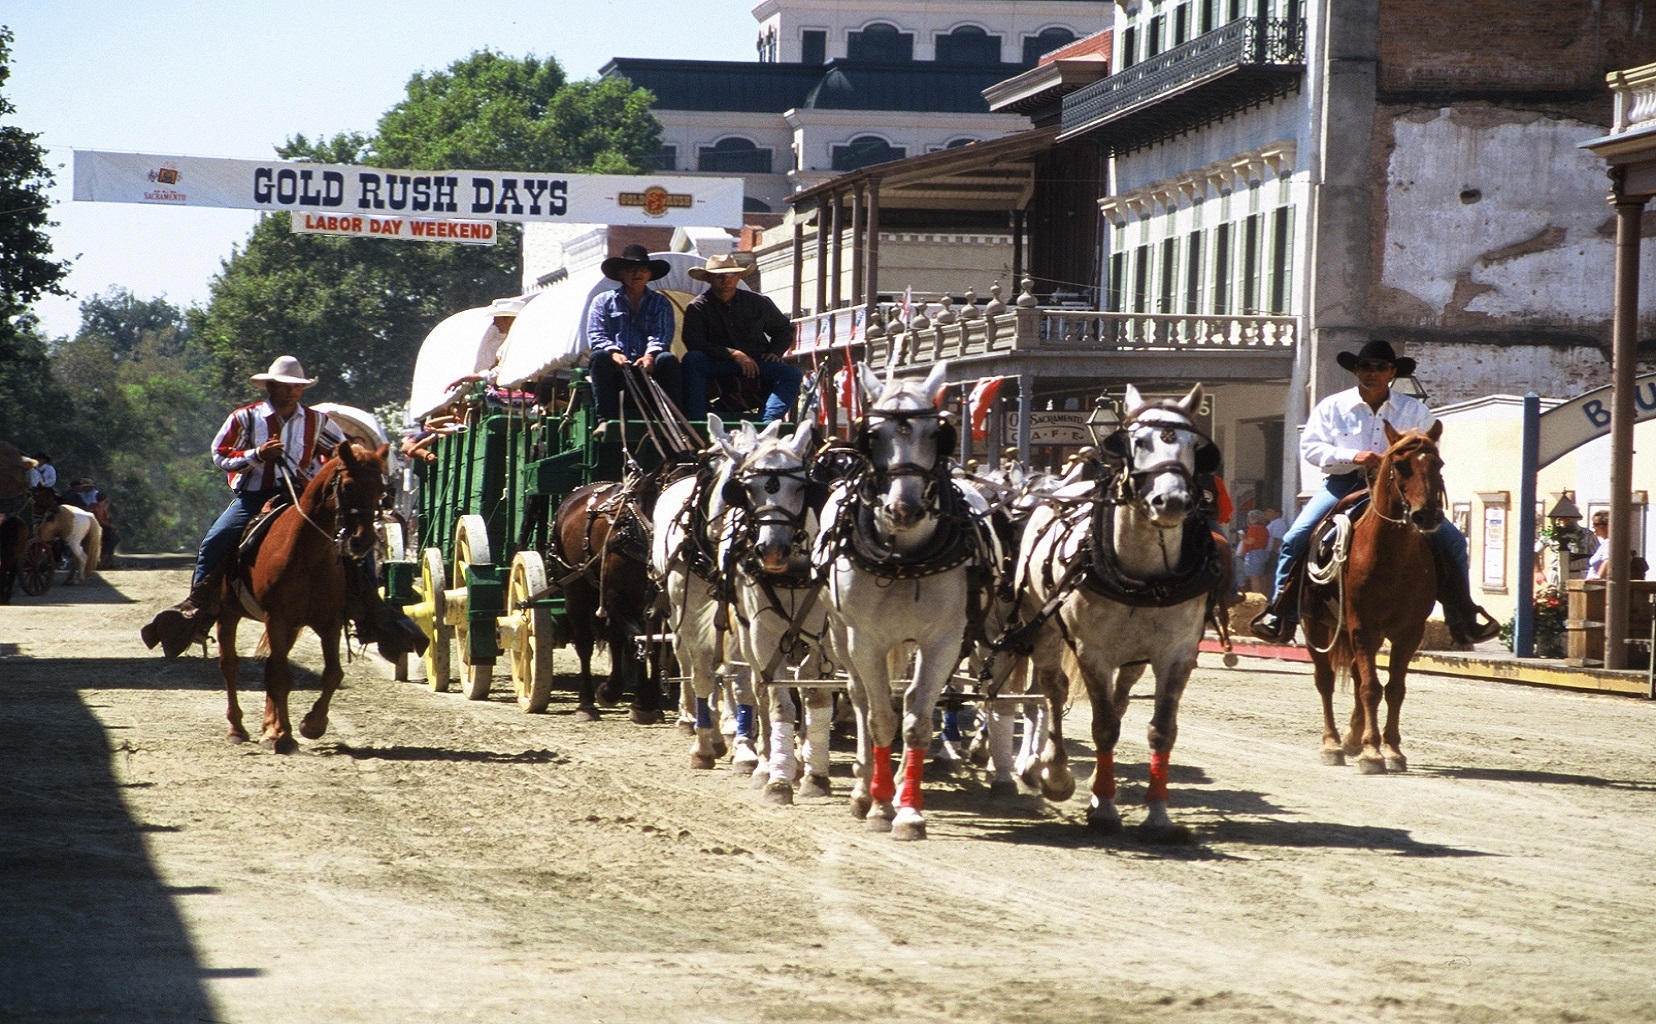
[{"x": 209, "y": 78}]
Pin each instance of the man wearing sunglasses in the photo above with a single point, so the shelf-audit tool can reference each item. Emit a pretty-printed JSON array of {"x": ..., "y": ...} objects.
[{"x": 1345, "y": 438}]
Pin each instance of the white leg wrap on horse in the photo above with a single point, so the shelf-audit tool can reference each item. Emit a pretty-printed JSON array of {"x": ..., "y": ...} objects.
[
  {"x": 784, "y": 767},
  {"x": 1001, "y": 755},
  {"x": 818, "y": 722}
]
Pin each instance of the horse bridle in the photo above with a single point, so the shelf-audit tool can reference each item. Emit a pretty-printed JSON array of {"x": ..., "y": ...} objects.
[
  {"x": 1132, "y": 478},
  {"x": 903, "y": 417},
  {"x": 1409, "y": 509}
]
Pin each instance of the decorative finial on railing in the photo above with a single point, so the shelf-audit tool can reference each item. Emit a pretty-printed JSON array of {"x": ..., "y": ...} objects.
[
  {"x": 1026, "y": 298},
  {"x": 875, "y": 329},
  {"x": 996, "y": 307},
  {"x": 947, "y": 314},
  {"x": 920, "y": 321},
  {"x": 970, "y": 311}
]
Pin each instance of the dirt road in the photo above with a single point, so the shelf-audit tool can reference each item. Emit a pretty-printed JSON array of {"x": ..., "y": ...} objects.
[{"x": 434, "y": 859}]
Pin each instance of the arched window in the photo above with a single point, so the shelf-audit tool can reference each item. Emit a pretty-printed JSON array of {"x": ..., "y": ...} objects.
[
  {"x": 880, "y": 42},
  {"x": 964, "y": 140},
  {"x": 734, "y": 155},
  {"x": 1049, "y": 40},
  {"x": 865, "y": 150},
  {"x": 968, "y": 44},
  {"x": 752, "y": 205}
]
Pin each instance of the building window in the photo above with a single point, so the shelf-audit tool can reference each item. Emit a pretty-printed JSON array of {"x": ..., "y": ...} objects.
[
  {"x": 1181, "y": 24},
  {"x": 968, "y": 44},
  {"x": 1049, "y": 39},
  {"x": 813, "y": 46},
  {"x": 1169, "y": 274},
  {"x": 1250, "y": 264},
  {"x": 964, "y": 140},
  {"x": 1193, "y": 272},
  {"x": 1282, "y": 259},
  {"x": 1118, "y": 280},
  {"x": 1129, "y": 47},
  {"x": 1209, "y": 19},
  {"x": 1222, "y": 270},
  {"x": 734, "y": 155},
  {"x": 665, "y": 159},
  {"x": 1153, "y": 38},
  {"x": 865, "y": 150},
  {"x": 880, "y": 42},
  {"x": 1141, "y": 280}
]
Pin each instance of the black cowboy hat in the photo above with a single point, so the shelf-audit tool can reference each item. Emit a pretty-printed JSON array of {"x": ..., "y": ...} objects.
[
  {"x": 1377, "y": 351},
  {"x": 634, "y": 256}
]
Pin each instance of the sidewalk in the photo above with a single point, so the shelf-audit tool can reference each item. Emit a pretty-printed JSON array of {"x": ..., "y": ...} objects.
[{"x": 1492, "y": 661}]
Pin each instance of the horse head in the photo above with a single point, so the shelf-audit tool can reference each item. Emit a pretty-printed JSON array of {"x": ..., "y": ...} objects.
[
  {"x": 357, "y": 491},
  {"x": 907, "y": 440},
  {"x": 1161, "y": 451},
  {"x": 1409, "y": 482},
  {"x": 772, "y": 485}
]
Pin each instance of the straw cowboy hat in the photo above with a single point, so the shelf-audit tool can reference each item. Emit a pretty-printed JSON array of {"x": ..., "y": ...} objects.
[
  {"x": 285, "y": 370},
  {"x": 631, "y": 258},
  {"x": 508, "y": 307},
  {"x": 720, "y": 266},
  {"x": 1377, "y": 351}
]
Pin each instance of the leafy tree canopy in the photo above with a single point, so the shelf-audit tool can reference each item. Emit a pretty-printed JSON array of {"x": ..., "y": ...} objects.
[{"x": 27, "y": 270}]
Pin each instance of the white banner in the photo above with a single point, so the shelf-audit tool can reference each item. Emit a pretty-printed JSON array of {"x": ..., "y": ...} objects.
[
  {"x": 414, "y": 229},
  {"x": 666, "y": 200}
]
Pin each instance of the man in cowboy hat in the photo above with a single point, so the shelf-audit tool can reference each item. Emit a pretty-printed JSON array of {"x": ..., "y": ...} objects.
[
  {"x": 1344, "y": 438},
  {"x": 738, "y": 336},
  {"x": 631, "y": 328},
  {"x": 264, "y": 448}
]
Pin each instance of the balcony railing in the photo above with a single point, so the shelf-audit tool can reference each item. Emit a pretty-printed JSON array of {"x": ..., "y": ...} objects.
[{"x": 1246, "y": 43}]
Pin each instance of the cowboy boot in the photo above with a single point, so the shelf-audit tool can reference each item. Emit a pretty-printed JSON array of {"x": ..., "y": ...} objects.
[
  {"x": 186, "y": 623},
  {"x": 1468, "y": 622},
  {"x": 1278, "y": 621}
]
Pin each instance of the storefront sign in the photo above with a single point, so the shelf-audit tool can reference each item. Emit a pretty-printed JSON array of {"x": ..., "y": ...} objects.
[
  {"x": 1566, "y": 427},
  {"x": 467, "y": 232}
]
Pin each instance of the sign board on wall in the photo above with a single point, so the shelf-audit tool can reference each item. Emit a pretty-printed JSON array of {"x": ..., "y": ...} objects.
[
  {"x": 1067, "y": 428},
  {"x": 348, "y": 189},
  {"x": 1566, "y": 427},
  {"x": 412, "y": 229}
]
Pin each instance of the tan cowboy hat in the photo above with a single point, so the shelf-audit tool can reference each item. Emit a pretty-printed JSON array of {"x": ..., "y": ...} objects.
[
  {"x": 508, "y": 307},
  {"x": 285, "y": 370},
  {"x": 721, "y": 266}
]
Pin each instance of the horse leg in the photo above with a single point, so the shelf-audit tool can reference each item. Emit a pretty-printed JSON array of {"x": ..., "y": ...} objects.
[
  {"x": 1370, "y": 761},
  {"x": 1102, "y": 813},
  {"x": 1391, "y": 738},
  {"x": 278, "y": 729},
  {"x": 1323, "y": 673},
  {"x": 315, "y": 722},
  {"x": 744, "y": 757},
  {"x": 1171, "y": 676},
  {"x": 932, "y": 668},
  {"x": 229, "y": 662},
  {"x": 783, "y": 766},
  {"x": 1050, "y": 771},
  {"x": 647, "y": 694},
  {"x": 819, "y": 714}
]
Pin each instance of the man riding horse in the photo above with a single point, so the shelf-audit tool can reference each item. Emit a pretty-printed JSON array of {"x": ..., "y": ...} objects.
[
  {"x": 1345, "y": 439},
  {"x": 269, "y": 450}
]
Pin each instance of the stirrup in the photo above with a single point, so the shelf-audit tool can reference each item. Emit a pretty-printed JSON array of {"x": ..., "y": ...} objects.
[{"x": 1479, "y": 628}]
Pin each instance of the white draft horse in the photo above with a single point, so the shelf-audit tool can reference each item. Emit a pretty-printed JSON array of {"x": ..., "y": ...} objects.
[
  {"x": 77, "y": 527},
  {"x": 898, "y": 540},
  {"x": 1114, "y": 577},
  {"x": 777, "y": 597}
]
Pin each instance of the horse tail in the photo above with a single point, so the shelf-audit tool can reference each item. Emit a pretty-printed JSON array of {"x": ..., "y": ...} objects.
[
  {"x": 94, "y": 548},
  {"x": 263, "y": 648}
]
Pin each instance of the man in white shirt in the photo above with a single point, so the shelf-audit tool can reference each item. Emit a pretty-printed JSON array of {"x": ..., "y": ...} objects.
[{"x": 1345, "y": 437}]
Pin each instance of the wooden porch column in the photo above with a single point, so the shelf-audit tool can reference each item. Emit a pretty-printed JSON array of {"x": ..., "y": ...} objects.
[
  {"x": 839, "y": 248},
  {"x": 871, "y": 293},
  {"x": 1624, "y": 335},
  {"x": 1026, "y": 410},
  {"x": 798, "y": 265},
  {"x": 822, "y": 256},
  {"x": 859, "y": 228},
  {"x": 1017, "y": 246}
]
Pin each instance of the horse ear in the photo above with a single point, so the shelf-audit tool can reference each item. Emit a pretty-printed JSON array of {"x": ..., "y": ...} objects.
[
  {"x": 347, "y": 453},
  {"x": 382, "y": 452},
  {"x": 1192, "y": 402},
  {"x": 772, "y": 431},
  {"x": 1134, "y": 399},
  {"x": 801, "y": 441},
  {"x": 1391, "y": 434},
  {"x": 869, "y": 381},
  {"x": 935, "y": 380},
  {"x": 1436, "y": 432},
  {"x": 721, "y": 437}
]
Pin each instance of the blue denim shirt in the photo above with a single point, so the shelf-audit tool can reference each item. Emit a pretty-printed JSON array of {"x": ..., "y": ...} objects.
[{"x": 614, "y": 326}]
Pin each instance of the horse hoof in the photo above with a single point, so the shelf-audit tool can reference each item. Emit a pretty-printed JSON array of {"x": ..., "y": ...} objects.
[
  {"x": 1057, "y": 788},
  {"x": 642, "y": 717},
  {"x": 1336, "y": 758},
  {"x": 908, "y": 830},
  {"x": 978, "y": 754},
  {"x": 760, "y": 776},
  {"x": 609, "y": 698},
  {"x": 237, "y": 737},
  {"x": 778, "y": 794},
  {"x": 586, "y": 714},
  {"x": 1371, "y": 766},
  {"x": 744, "y": 763},
  {"x": 814, "y": 786},
  {"x": 701, "y": 762},
  {"x": 1165, "y": 835},
  {"x": 720, "y": 748},
  {"x": 1002, "y": 789},
  {"x": 313, "y": 731},
  {"x": 877, "y": 823},
  {"x": 284, "y": 745},
  {"x": 687, "y": 728},
  {"x": 860, "y": 806},
  {"x": 1104, "y": 824},
  {"x": 1397, "y": 764}
]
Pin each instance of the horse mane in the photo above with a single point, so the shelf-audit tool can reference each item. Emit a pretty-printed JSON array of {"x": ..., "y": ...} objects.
[{"x": 315, "y": 491}]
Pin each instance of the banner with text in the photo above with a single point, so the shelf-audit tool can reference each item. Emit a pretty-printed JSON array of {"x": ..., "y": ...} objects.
[
  {"x": 414, "y": 229},
  {"x": 666, "y": 200}
]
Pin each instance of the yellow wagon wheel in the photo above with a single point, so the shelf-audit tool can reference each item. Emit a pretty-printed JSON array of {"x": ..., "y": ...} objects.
[
  {"x": 531, "y": 644},
  {"x": 471, "y": 547},
  {"x": 433, "y": 591},
  {"x": 391, "y": 549}
]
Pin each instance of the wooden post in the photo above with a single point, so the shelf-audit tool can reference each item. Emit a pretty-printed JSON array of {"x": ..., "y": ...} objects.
[
  {"x": 859, "y": 228},
  {"x": 838, "y": 249},
  {"x": 822, "y": 256},
  {"x": 1624, "y": 334}
]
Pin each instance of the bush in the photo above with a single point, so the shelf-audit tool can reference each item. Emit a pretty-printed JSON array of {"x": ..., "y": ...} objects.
[{"x": 1550, "y": 607}]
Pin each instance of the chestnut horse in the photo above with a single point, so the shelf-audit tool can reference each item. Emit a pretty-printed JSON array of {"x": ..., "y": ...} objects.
[
  {"x": 298, "y": 579},
  {"x": 1383, "y": 591},
  {"x": 601, "y": 550}
]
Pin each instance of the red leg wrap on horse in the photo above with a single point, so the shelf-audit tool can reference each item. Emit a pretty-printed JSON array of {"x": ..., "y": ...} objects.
[
  {"x": 1158, "y": 776},
  {"x": 1104, "y": 781},
  {"x": 882, "y": 788},
  {"x": 914, "y": 766}
]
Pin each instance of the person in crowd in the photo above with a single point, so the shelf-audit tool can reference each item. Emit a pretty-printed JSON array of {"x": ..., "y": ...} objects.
[
  {"x": 1276, "y": 528},
  {"x": 83, "y": 493},
  {"x": 44, "y": 474},
  {"x": 630, "y": 328},
  {"x": 736, "y": 337},
  {"x": 1598, "y": 563},
  {"x": 1345, "y": 438},
  {"x": 258, "y": 445},
  {"x": 1256, "y": 544}
]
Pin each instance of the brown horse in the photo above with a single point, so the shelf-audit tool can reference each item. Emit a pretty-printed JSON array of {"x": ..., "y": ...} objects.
[
  {"x": 1384, "y": 591},
  {"x": 601, "y": 548},
  {"x": 298, "y": 579}
]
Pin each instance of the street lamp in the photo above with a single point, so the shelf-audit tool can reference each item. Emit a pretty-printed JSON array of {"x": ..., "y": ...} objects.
[
  {"x": 1102, "y": 421},
  {"x": 1564, "y": 514}
]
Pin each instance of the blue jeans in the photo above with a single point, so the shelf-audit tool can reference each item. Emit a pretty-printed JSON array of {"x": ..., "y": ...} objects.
[
  {"x": 607, "y": 384},
  {"x": 1446, "y": 539},
  {"x": 223, "y": 536},
  {"x": 780, "y": 380}
]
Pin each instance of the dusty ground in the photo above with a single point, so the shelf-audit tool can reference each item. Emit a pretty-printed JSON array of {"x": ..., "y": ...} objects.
[{"x": 435, "y": 859}]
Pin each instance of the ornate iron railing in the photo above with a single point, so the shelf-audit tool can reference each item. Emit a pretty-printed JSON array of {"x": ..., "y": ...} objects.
[{"x": 1245, "y": 42}]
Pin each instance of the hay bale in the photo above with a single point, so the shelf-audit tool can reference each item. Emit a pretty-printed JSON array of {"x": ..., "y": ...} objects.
[{"x": 1243, "y": 612}]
